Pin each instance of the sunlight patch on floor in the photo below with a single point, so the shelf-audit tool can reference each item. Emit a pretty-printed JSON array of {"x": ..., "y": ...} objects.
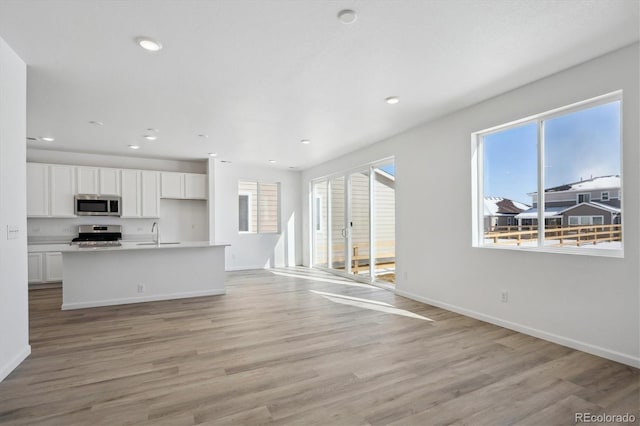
[
  {"x": 325, "y": 280},
  {"x": 372, "y": 305},
  {"x": 350, "y": 298}
]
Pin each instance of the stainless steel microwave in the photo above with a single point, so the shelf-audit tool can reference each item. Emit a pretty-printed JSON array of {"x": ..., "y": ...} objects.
[{"x": 97, "y": 205}]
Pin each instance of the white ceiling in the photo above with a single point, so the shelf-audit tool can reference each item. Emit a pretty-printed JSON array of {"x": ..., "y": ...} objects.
[{"x": 258, "y": 76}]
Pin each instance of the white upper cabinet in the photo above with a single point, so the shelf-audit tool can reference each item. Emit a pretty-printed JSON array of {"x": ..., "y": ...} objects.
[
  {"x": 37, "y": 190},
  {"x": 131, "y": 199},
  {"x": 109, "y": 181},
  {"x": 62, "y": 190},
  {"x": 195, "y": 186},
  {"x": 150, "y": 194},
  {"x": 51, "y": 188},
  {"x": 172, "y": 185},
  {"x": 87, "y": 180},
  {"x": 184, "y": 185}
]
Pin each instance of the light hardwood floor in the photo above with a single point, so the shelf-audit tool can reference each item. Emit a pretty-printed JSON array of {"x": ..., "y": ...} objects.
[{"x": 272, "y": 351}]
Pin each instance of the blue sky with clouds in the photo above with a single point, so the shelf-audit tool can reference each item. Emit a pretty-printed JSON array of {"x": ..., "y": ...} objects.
[{"x": 577, "y": 145}]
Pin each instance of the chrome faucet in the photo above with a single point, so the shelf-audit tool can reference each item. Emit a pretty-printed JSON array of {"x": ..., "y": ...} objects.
[{"x": 155, "y": 227}]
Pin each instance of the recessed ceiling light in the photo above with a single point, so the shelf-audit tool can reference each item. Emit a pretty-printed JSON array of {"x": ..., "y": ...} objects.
[
  {"x": 47, "y": 139},
  {"x": 225, "y": 161},
  {"x": 203, "y": 136},
  {"x": 96, "y": 123},
  {"x": 149, "y": 44},
  {"x": 305, "y": 141},
  {"x": 347, "y": 16},
  {"x": 292, "y": 167},
  {"x": 213, "y": 154},
  {"x": 134, "y": 146},
  {"x": 272, "y": 161},
  {"x": 392, "y": 100},
  {"x": 150, "y": 137},
  {"x": 151, "y": 129}
]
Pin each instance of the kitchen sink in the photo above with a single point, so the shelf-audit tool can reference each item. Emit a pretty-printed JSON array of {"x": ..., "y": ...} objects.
[{"x": 156, "y": 244}]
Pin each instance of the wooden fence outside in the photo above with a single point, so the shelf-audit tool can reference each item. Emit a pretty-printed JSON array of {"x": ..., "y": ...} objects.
[{"x": 568, "y": 235}]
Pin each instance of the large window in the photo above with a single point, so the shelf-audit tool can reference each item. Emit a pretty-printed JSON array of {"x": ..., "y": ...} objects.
[
  {"x": 568, "y": 162},
  {"x": 258, "y": 207}
]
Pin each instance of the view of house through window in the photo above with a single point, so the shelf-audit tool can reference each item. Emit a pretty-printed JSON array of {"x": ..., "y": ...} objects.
[
  {"x": 580, "y": 179},
  {"x": 258, "y": 207}
]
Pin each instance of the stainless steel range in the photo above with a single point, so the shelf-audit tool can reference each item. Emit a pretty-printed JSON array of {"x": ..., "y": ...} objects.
[{"x": 98, "y": 236}]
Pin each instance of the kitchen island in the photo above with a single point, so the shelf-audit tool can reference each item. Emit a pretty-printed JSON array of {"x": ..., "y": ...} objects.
[{"x": 141, "y": 272}]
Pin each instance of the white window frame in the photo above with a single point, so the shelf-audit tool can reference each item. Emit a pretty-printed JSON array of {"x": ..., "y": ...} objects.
[
  {"x": 477, "y": 164},
  {"x": 590, "y": 217},
  {"x": 249, "y": 208},
  {"x": 602, "y": 196},
  {"x": 588, "y": 195},
  {"x": 258, "y": 229}
]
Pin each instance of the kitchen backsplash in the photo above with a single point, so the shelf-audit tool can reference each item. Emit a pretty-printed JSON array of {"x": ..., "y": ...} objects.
[
  {"x": 182, "y": 220},
  {"x": 45, "y": 230}
]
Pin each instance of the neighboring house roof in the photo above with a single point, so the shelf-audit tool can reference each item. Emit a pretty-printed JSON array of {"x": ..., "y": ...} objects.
[
  {"x": 532, "y": 213},
  {"x": 591, "y": 184},
  {"x": 498, "y": 206},
  {"x": 606, "y": 207},
  {"x": 385, "y": 178}
]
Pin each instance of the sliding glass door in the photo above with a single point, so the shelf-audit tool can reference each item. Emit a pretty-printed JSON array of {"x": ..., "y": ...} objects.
[
  {"x": 384, "y": 214},
  {"x": 353, "y": 222},
  {"x": 358, "y": 215},
  {"x": 320, "y": 224},
  {"x": 338, "y": 225}
]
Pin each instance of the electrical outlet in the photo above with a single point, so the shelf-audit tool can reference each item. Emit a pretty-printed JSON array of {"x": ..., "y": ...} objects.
[
  {"x": 504, "y": 296},
  {"x": 139, "y": 229},
  {"x": 141, "y": 288}
]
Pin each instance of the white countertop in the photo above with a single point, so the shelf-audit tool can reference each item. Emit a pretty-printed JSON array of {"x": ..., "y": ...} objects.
[{"x": 67, "y": 248}]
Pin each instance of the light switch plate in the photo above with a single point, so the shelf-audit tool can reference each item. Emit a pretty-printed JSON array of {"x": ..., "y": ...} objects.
[{"x": 13, "y": 232}]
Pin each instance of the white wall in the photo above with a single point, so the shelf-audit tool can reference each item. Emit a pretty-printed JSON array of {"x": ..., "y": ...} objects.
[
  {"x": 252, "y": 251},
  {"x": 14, "y": 305},
  {"x": 586, "y": 302},
  {"x": 183, "y": 220}
]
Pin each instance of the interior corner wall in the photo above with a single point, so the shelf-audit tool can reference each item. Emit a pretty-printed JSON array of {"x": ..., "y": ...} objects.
[
  {"x": 586, "y": 302},
  {"x": 14, "y": 304},
  {"x": 257, "y": 251}
]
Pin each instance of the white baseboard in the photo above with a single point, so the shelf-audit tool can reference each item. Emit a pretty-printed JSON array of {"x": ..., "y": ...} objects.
[
  {"x": 541, "y": 334},
  {"x": 129, "y": 300},
  {"x": 242, "y": 268},
  {"x": 6, "y": 369}
]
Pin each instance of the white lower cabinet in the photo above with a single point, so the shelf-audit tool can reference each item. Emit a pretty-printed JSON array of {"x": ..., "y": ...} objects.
[
  {"x": 53, "y": 266},
  {"x": 36, "y": 267},
  {"x": 45, "y": 267}
]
